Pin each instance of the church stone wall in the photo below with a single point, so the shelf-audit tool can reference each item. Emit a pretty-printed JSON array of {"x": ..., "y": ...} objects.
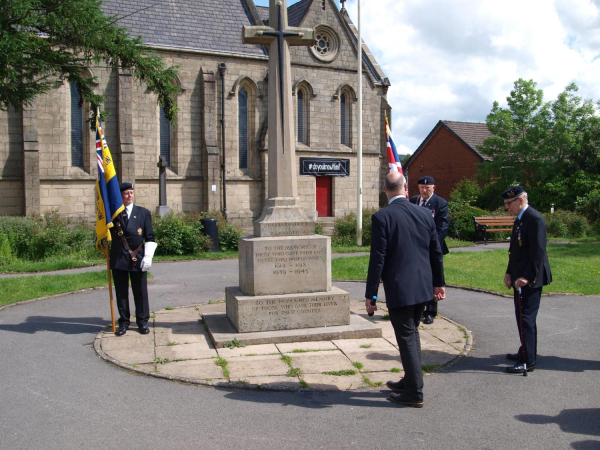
[{"x": 197, "y": 131}]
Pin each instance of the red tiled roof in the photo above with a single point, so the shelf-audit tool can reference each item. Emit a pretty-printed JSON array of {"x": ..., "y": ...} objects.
[{"x": 472, "y": 133}]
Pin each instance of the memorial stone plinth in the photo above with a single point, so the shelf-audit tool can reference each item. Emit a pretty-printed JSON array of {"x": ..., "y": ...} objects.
[{"x": 284, "y": 265}]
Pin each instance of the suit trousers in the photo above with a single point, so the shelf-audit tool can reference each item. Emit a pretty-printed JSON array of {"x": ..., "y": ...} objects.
[
  {"x": 405, "y": 321},
  {"x": 139, "y": 288},
  {"x": 531, "y": 304}
]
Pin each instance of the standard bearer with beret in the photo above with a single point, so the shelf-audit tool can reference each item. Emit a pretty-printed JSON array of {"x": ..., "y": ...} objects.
[
  {"x": 439, "y": 210},
  {"x": 131, "y": 253}
]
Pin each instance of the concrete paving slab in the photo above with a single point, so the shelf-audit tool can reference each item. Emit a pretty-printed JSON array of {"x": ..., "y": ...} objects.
[
  {"x": 383, "y": 377},
  {"x": 196, "y": 370},
  {"x": 132, "y": 355},
  {"x": 332, "y": 382},
  {"x": 127, "y": 341},
  {"x": 449, "y": 333},
  {"x": 438, "y": 357},
  {"x": 262, "y": 349},
  {"x": 277, "y": 383},
  {"x": 306, "y": 346},
  {"x": 319, "y": 362},
  {"x": 364, "y": 345},
  {"x": 241, "y": 367},
  {"x": 185, "y": 351},
  {"x": 377, "y": 361}
]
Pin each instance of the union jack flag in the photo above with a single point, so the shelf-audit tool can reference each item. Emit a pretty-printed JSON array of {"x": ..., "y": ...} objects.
[{"x": 392, "y": 154}]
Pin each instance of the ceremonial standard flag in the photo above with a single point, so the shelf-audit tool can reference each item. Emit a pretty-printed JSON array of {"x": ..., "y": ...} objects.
[
  {"x": 109, "y": 202},
  {"x": 392, "y": 154}
]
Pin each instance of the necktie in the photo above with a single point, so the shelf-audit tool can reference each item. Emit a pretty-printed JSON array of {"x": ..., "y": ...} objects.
[{"x": 125, "y": 218}]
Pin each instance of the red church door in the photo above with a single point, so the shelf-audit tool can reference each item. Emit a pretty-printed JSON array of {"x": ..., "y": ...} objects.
[{"x": 324, "y": 196}]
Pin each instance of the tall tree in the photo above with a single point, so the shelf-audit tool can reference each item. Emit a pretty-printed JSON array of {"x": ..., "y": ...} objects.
[
  {"x": 44, "y": 41},
  {"x": 547, "y": 147}
]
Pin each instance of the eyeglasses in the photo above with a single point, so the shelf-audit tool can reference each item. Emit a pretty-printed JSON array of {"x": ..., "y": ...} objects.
[{"x": 513, "y": 200}]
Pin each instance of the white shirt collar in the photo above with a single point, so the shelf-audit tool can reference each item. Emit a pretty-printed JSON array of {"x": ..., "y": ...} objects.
[
  {"x": 522, "y": 211},
  {"x": 396, "y": 197},
  {"x": 129, "y": 208}
]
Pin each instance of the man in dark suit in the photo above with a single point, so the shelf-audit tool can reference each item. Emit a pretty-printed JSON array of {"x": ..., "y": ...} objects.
[
  {"x": 528, "y": 269},
  {"x": 439, "y": 210},
  {"x": 406, "y": 255},
  {"x": 130, "y": 258}
]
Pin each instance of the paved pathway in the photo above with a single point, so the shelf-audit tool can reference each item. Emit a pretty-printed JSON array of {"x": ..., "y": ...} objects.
[
  {"x": 56, "y": 393},
  {"x": 179, "y": 348}
]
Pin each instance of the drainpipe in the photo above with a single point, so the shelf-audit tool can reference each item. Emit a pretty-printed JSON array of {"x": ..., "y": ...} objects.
[{"x": 222, "y": 69}]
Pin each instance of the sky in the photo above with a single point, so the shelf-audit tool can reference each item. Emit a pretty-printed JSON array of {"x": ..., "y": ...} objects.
[{"x": 450, "y": 60}]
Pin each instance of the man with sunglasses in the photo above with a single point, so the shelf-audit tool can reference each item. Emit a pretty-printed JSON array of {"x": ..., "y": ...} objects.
[{"x": 528, "y": 270}]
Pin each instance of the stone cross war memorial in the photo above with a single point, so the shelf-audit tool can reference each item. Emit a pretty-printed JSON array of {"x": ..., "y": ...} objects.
[{"x": 285, "y": 292}]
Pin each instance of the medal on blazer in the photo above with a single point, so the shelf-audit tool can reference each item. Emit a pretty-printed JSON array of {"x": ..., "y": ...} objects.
[
  {"x": 519, "y": 235},
  {"x": 433, "y": 213},
  {"x": 140, "y": 232}
]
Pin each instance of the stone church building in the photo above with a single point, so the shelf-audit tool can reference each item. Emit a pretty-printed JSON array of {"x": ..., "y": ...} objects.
[{"x": 47, "y": 151}]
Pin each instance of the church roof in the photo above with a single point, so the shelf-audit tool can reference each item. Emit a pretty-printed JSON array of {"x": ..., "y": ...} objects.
[
  {"x": 296, "y": 13},
  {"x": 188, "y": 24}
]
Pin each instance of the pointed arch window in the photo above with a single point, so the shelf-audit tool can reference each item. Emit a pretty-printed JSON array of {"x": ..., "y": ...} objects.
[
  {"x": 345, "y": 119},
  {"x": 302, "y": 117},
  {"x": 165, "y": 137},
  {"x": 243, "y": 128},
  {"x": 76, "y": 127}
]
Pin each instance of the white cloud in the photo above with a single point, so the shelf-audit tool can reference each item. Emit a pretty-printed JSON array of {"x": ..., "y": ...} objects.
[{"x": 452, "y": 60}]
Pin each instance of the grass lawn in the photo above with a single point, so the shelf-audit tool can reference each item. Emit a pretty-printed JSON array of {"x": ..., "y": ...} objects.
[
  {"x": 24, "y": 288},
  {"x": 452, "y": 243},
  {"x": 575, "y": 269}
]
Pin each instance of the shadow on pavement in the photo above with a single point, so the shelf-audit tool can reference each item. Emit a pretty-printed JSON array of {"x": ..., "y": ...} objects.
[
  {"x": 72, "y": 325},
  {"x": 498, "y": 363},
  {"x": 579, "y": 421},
  {"x": 317, "y": 399}
]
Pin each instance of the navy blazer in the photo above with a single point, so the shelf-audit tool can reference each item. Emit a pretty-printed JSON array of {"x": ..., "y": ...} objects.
[
  {"x": 439, "y": 210},
  {"x": 405, "y": 254},
  {"x": 527, "y": 256},
  {"x": 138, "y": 230}
]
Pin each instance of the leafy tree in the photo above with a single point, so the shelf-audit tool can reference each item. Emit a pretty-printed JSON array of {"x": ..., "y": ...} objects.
[
  {"x": 551, "y": 148},
  {"x": 43, "y": 41}
]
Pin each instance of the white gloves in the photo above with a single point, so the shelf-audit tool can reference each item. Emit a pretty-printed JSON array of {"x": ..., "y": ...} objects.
[{"x": 149, "y": 249}]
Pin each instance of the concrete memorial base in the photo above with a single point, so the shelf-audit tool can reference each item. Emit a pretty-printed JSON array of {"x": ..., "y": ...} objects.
[
  {"x": 284, "y": 312},
  {"x": 222, "y": 332},
  {"x": 282, "y": 216}
]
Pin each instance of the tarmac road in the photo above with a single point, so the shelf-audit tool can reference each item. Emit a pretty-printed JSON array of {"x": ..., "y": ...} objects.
[{"x": 57, "y": 393}]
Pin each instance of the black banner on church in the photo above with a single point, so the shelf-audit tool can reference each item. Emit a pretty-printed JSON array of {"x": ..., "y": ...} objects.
[{"x": 325, "y": 167}]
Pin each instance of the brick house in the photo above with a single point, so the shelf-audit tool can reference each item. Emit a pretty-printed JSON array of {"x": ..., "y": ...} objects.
[
  {"x": 47, "y": 152},
  {"x": 449, "y": 154}
]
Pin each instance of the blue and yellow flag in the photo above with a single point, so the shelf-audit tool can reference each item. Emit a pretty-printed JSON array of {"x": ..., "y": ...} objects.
[{"x": 109, "y": 202}]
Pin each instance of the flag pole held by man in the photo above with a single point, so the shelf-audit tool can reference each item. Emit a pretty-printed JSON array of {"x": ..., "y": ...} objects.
[{"x": 109, "y": 203}]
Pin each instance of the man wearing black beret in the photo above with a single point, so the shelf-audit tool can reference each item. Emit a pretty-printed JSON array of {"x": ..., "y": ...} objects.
[
  {"x": 131, "y": 253},
  {"x": 528, "y": 270},
  {"x": 439, "y": 210}
]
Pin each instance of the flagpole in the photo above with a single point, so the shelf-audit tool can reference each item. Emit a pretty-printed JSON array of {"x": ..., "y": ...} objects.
[
  {"x": 359, "y": 149},
  {"x": 107, "y": 252}
]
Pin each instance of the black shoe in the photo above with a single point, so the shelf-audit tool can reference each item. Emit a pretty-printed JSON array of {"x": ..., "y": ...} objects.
[
  {"x": 520, "y": 368},
  {"x": 396, "y": 386},
  {"x": 144, "y": 329},
  {"x": 401, "y": 399},
  {"x": 512, "y": 356},
  {"x": 427, "y": 320},
  {"x": 121, "y": 330}
]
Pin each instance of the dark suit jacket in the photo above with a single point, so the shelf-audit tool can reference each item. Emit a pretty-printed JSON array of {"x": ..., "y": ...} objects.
[
  {"x": 529, "y": 260},
  {"x": 439, "y": 210},
  {"x": 138, "y": 230},
  {"x": 405, "y": 254}
]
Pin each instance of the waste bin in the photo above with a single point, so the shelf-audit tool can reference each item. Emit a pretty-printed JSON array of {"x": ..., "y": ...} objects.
[{"x": 209, "y": 228}]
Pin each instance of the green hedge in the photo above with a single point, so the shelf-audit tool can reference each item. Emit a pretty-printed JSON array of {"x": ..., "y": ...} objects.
[
  {"x": 566, "y": 224},
  {"x": 462, "y": 225},
  {"x": 344, "y": 228},
  {"x": 36, "y": 238}
]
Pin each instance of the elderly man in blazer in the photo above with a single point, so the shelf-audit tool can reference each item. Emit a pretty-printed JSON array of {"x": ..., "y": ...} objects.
[
  {"x": 406, "y": 255},
  {"x": 131, "y": 254},
  {"x": 529, "y": 270},
  {"x": 439, "y": 210}
]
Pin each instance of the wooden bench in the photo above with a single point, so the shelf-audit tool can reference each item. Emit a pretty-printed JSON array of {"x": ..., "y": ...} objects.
[{"x": 492, "y": 224}]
